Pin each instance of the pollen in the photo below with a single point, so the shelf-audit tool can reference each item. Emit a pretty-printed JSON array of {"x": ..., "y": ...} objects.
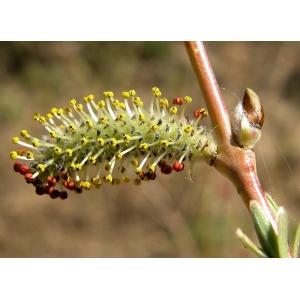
[{"x": 113, "y": 142}]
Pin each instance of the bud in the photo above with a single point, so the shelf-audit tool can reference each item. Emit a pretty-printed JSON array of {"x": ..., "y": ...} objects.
[{"x": 249, "y": 118}]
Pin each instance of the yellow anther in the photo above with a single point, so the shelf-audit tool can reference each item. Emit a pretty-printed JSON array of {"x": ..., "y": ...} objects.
[
  {"x": 116, "y": 181},
  {"x": 188, "y": 99},
  {"x": 89, "y": 123},
  {"x": 79, "y": 183},
  {"x": 141, "y": 117},
  {"x": 132, "y": 93},
  {"x": 115, "y": 103},
  {"x": 107, "y": 166},
  {"x": 108, "y": 178},
  {"x": 78, "y": 167},
  {"x": 126, "y": 138},
  {"x": 57, "y": 150},
  {"x": 68, "y": 110},
  {"x": 60, "y": 112},
  {"x": 151, "y": 168},
  {"x": 143, "y": 147},
  {"x": 72, "y": 166},
  {"x": 173, "y": 110},
  {"x": 52, "y": 134},
  {"x": 72, "y": 102},
  {"x": 13, "y": 155},
  {"x": 103, "y": 120},
  {"x": 92, "y": 160},
  {"x": 137, "y": 181},
  {"x": 42, "y": 120},
  {"x": 203, "y": 112},
  {"x": 35, "y": 143},
  {"x": 125, "y": 94},
  {"x": 113, "y": 142},
  {"x": 126, "y": 179},
  {"x": 86, "y": 185},
  {"x": 137, "y": 101},
  {"x": 36, "y": 116},
  {"x": 135, "y": 162},
  {"x": 83, "y": 141},
  {"x": 96, "y": 181},
  {"x": 29, "y": 155},
  {"x": 72, "y": 127},
  {"x": 24, "y": 133},
  {"x": 15, "y": 140},
  {"x": 118, "y": 155},
  {"x": 88, "y": 98},
  {"x": 121, "y": 117},
  {"x": 40, "y": 168},
  {"x": 69, "y": 152},
  {"x": 164, "y": 143},
  {"x": 21, "y": 152},
  {"x": 157, "y": 93},
  {"x": 188, "y": 129},
  {"x": 100, "y": 142},
  {"x": 138, "y": 171},
  {"x": 122, "y": 105},
  {"x": 53, "y": 111},
  {"x": 164, "y": 102},
  {"x": 79, "y": 107},
  {"x": 101, "y": 103},
  {"x": 153, "y": 127},
  {"x": 49, "y": 116}
]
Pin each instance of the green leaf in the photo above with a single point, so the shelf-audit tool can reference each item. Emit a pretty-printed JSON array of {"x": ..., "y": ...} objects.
[
  {"x": 296, "y": 242},
  {"x": 248, "y": 244},
  {"x": 264, "y": 230},
  {"x": 282, "y": 233}
]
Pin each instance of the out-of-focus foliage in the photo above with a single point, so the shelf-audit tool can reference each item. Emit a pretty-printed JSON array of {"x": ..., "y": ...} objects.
[{"x": 171, "y": 216}]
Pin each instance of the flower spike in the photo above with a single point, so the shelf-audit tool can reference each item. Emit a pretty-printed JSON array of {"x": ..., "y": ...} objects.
[{"x": 100, "y": 143}]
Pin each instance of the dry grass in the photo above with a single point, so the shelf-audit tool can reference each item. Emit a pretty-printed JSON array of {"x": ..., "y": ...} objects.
[{"x": 170, "y": 217}]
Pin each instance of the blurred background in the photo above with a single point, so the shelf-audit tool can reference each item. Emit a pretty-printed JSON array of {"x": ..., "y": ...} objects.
[{"x": 168, "y": 217}]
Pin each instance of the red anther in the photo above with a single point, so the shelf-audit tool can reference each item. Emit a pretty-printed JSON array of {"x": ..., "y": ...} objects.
[
  {"x": 53, "y": 182},
  {"x": 177, "y": 101},
  {"x": 39, "y": 190},
  {"x": 65, "y": 184},
  {"x": 28, "y": 176},
  {"x": 71, "y": 185},
  {"x": 22, "y": 151},
  {"x": 197, "y": 113},
  {"x": 24, "y": 170},
  {"x": 162, "y": 163},
  {"x": 63, "y": 195},
  {"x": 151, "y": 176},
  {"x": 177, "y": 166},
  {"x": 17, "y": 167},
  {"x": 49, "y": 180}
]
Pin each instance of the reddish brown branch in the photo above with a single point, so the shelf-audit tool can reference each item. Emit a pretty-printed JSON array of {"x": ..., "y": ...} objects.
[{"x": 235, "y": 163}]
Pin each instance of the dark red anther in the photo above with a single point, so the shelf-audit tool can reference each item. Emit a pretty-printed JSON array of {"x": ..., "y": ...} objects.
[
  {"x": 63, "y": 195},
  {"x": 162, "y": 163},
  {"x": 24, "y": 170},
  {"x": 17, "y": 167},
  {"x": 142, "y": 175},
  {"x": 151, "y": 176},
  {"x": 166, "y": 169},
  {"x": 78, "y": 190},
  {"x": 54, "y": 194},
  {"x": 178, "y": 101},
  {"x": 39, "y": 190},
  {"x": 65, "y": 175}
]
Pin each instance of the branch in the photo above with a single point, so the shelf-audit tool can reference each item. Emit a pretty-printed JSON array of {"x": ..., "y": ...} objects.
[{"x": 235, "y": 163}]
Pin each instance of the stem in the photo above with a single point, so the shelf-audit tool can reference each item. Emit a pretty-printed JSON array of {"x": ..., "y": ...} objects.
[{"x": 235, "y": 163}]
